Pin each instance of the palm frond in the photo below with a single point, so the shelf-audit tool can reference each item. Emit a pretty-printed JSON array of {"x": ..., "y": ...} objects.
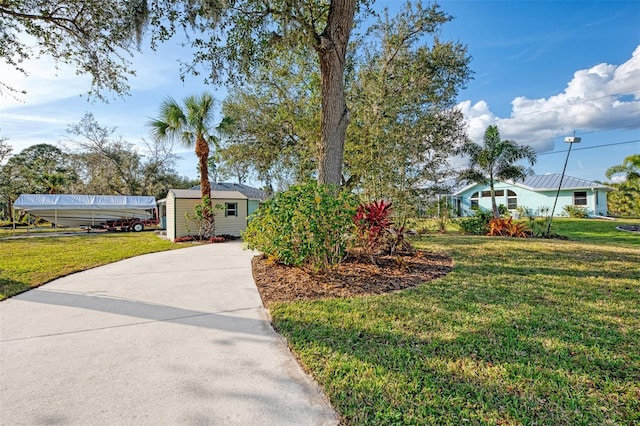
[{"x": 471, "y": 175}]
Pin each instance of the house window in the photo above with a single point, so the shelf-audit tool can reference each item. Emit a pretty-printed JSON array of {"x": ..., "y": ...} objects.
[
  {"x": 474, "y": 200},
  {"x": 580, "y": 198},
  {"x": 512, "y": 200},
  {"x": 498, "y": 192},
  {"x": 231, "y": 209}
]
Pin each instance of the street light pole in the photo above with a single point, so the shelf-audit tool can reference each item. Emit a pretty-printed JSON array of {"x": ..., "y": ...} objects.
[{"x": 570, "y": 140}]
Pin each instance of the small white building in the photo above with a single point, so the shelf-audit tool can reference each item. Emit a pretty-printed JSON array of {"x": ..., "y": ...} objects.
[{"x": 230, "y": 210}]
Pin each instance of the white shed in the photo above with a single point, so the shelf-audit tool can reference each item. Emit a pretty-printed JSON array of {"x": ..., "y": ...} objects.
[{"x": 230, "y": 210}]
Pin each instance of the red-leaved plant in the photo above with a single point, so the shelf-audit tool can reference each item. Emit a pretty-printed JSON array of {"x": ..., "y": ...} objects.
[
  {"x": 506, "y": 227},
  {"x": 372, "y": 221}
]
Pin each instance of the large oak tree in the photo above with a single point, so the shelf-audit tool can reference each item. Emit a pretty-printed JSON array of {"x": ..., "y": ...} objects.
[
  {"x": 401, "y": 85},
  {"x": 230, "y": 37},
  {"x": 96, "y": 37},
  {"x": 234, "y": 37}
]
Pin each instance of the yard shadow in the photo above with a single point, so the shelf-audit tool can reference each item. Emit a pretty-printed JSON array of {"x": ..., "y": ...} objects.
[
  {"x": 9, "y": 287},
  {"x": 149, "y": 312},
  {"x": 494, "y": 372},
  {"x": 487, "y": 344}
]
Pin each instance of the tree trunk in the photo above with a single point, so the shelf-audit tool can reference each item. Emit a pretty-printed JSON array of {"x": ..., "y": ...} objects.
[
  {"x": 331, "y": 46},
  {"x": 494, "y": 206},
  {"x": 202, "y": 152}
]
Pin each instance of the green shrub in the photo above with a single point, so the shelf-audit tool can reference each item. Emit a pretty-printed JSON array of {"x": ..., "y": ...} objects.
[
  {"x": 477, "y": 224},
  {"x": 576, "y": 212},
  {"x": 204, "y": 228},
  {"x": 307, "y": 225},
  {"x": 538, "y": 220}
]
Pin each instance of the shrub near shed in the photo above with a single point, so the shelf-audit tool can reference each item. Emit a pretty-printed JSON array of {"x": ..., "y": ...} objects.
[{"x": 307, "y": 225}]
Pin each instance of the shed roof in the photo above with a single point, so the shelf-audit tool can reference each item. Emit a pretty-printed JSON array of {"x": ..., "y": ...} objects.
[
  {"x": 215, "y": 195},
  {"x": 250, "y": 192}
]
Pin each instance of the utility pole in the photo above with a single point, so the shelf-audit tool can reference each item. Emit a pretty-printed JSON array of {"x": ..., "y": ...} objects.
[{"x": 570, "y": 140}]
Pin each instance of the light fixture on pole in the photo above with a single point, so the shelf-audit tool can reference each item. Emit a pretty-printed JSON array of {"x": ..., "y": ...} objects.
[{"x": 570, "y": 140}]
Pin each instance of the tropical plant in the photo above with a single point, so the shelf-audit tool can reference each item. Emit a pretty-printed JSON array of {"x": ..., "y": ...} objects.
[
  {"x": 478, "y": 224},
  {"x": 625, "y": 201},
  {"x": 397, "y": 241},
  {"x": 495, "y": 160},
  {"x": 191, "y": 124},
  {"x": 538, "y": 220},
  {"x": 372, "y": 221},
  {"x": 630, "y": 167},
  {"x": 199, "y": 216},
  {"x": 506, "y": 227},
  {"x": 306, "y": 226},
  {"x": 575, "y": 212}
]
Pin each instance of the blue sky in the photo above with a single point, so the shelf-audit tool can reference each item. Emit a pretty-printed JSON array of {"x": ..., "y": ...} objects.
[{"x": 543, "y": 69}]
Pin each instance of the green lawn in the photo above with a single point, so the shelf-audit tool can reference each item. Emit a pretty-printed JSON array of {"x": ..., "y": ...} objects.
[
  {"x": 29, "y": 262},
  {"x": 522, "y": 331},
  {"x": 599, "y": 231}
]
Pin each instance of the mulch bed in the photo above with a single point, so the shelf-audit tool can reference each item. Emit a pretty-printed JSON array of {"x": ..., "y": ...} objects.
[
  {"x": 630, "y": 228},
  {"x": 355, "y": 276}
]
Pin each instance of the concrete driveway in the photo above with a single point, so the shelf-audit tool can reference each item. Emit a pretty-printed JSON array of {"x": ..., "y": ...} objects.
[{"x": 178, "y": 337}]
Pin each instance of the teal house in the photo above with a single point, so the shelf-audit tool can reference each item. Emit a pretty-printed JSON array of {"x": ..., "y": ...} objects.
[{"x": 536, "y": 193}]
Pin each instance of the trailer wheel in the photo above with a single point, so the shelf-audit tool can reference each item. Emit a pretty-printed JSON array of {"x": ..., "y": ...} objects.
[{"x": 137, "y": 227}]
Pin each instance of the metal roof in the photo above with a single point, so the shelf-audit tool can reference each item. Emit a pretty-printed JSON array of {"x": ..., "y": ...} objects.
[
  {"x": 250, "y": 192},
  {"x": 215, "y": 195},
  {"x": 551, "y": 181},
  {"x": 31, "y": 202},
  {"x": 548, "y": 182}
]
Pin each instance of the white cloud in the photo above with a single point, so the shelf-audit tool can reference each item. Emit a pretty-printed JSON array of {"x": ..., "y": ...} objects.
[
  {"x": 48, "y": 81},
  {"x": 33, "y": 118},
  {"x": 477, "y": 117},
  {"x": 619, "y": 178},
  {"x": 603, "y": 97}
]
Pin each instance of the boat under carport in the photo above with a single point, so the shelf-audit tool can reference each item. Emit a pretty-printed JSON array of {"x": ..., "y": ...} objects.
[{"x": 74, "y": 210}]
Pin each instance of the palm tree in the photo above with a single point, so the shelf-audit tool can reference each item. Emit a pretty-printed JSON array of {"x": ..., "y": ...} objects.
[
  {"x": 495, "y": 160},
  {"x": 190, "y": 123},
  {"x": 630, "y": 167},
  {"x": 625, "y": 201}
]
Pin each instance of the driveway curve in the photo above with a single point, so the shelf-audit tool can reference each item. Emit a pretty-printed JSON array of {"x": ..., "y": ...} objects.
[{"x": 177, "y": 337}]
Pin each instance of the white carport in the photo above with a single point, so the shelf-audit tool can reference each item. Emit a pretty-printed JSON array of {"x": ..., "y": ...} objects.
[{"x": 85, "y": 210}]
